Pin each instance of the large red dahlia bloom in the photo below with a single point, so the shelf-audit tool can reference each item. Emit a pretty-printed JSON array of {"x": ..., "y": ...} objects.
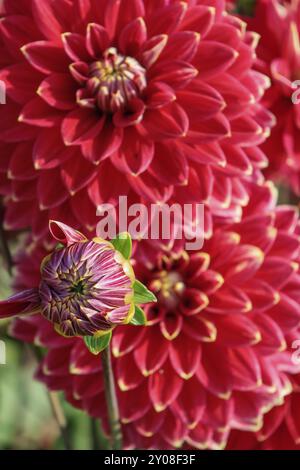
[
  {"x": 280, "y": 60},
  {"x": 107, "y": 96},
  {"x": 215, "y": 355}
]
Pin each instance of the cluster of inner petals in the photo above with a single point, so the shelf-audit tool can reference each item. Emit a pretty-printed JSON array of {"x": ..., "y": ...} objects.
[{"x": 115, "y": 80}]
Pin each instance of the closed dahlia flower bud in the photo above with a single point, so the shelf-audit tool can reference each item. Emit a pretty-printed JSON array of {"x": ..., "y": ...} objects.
[{"x": 86, "y": 287}]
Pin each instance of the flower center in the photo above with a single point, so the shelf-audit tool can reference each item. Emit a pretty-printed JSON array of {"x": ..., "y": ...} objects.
[
  {"x": 78, "y": 287},
  {"x": 115, "y": 80},
  {"x": 168, "y": 286}
]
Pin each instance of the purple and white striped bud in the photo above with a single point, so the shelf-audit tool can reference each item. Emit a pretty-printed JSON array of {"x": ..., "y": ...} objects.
[{"x": 86, "y": 287}]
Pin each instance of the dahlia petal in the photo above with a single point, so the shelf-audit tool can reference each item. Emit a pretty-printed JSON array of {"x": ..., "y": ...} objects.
[
  {"x": 58, "y": 90},
  {"x": 209, "y": 281},
  {"x": 245, "y": 368},
  {"x": 246, "y": 261},
  {"x": 176, "y": 73},
  {"x": 46, "y": 57},
  {"x": 261, "y": 294},
  {"x": 111, "y": 17},
  {"x": 104, "y": 191},
  {"x": 81, "y": 125},
  {"x": 167, "y": 19},
  {"x": 76, "y": 173},
  {"x": 46, "y": 18},
  {"x": 174, "y": 430},
  {"x": 190, "y": 403},
  {"x": 193, "y": 301},
  {"x": 170, "y": 121},
  {"x": 171, "y": 326},
  {"x": 152, "y": 353},
  {"x": 105, "y": 144},
  {"x": 218, "y": 412},
  {"x": 226, "y": 34},
  {"x": 200, "y": 329},
  {"x": 80, "y": 72},
  {"x": 21, "y": 82},
  {"x": 285, "y": 245},
  {"x": 153, "y": 49},
  {"x": 135, "y": 404},
  {"x": 236, "y": 330},
  {"x": 169, "y": 164},
  {"x": 237, "y": 161},
  {"x": 185, "y": 355},
  {"x": 132, "y": 116},
  {"x": 213, "y": 371},
  {"x": 216, "y": 56},
  {"x": 293, "y": 421},
  {"x": 236, "y": 96},
  {"x": 38, "y": 113},
  {"x": 23, "y": 303},
  {"x": 49, "y": 150},
  {"x": 198, "y": 18},
  {"x": 291, "y": 309},
  {"x": 246, "y": 130},
  {"x": 133, "y": 36},
  {"x": 272, "y": 421},
  {"x": 97, "y": 40},
  {"x": 125, "y": 341},
  {"x": 150, "y": 423},
  {"x": 65, "y": 234},
  {"x": 17, "y": 30},
  {"x": 272, "y": 338},
  {"x": 198, "y": 104},
  {"x": 18, "y": 215},
  {"x": 215, "y": 128},
  {"x": 199, "y": 185},
  {"x": 54, "y": 364},
  {"x": 159, "y": 94},
  {"x": 126, "y": 15},
  {"x": 83, "y": 388},
  {"x": 22, "y": 190},
  {"x": 129, "y": 378},
  {"x": 181, "y": 45},
  {"x": 19, "y": 167},
  {"x": 135, "y": 154},
  {"x": 75, "y": 46},
  {"x": 164, "y": 387},
  {"x": 230, "y": 299},
  {"x": 200, "y": 437},
  {"x": 51, "y": 192},
  {"x": 11, "y": 130},
  {"x": 286, "y": 218}
]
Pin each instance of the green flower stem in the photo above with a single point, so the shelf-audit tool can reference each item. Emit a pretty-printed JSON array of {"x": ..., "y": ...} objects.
[
  {"x": 111, "y": 400},
  {"x": 57, "y": 410}
]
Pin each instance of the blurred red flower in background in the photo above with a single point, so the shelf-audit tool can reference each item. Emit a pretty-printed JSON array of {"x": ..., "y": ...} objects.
[
  {"x": 216, "y": 354},
  {"x": 278, "y": 52},
  {"x": 126, "y": 97}
]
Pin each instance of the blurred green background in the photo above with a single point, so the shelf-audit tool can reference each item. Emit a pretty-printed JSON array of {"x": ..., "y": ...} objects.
[{"x": 26, "y": 417}]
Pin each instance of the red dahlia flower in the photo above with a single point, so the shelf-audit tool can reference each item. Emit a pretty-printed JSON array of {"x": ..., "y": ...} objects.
[
  {"x": 85, "y": 288},
  {"x": 215, "y": 355},
  {"x": 280, "y": 59},
  {"x": 135, "y": 97}
]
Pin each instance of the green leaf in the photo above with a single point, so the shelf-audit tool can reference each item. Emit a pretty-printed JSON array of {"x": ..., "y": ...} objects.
[
  {"x": 139, "y": 317},
  {"x": 123, "y": 244},
  {"x": 96, "y": 345},
  {"x": 142, "y": 295}
]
